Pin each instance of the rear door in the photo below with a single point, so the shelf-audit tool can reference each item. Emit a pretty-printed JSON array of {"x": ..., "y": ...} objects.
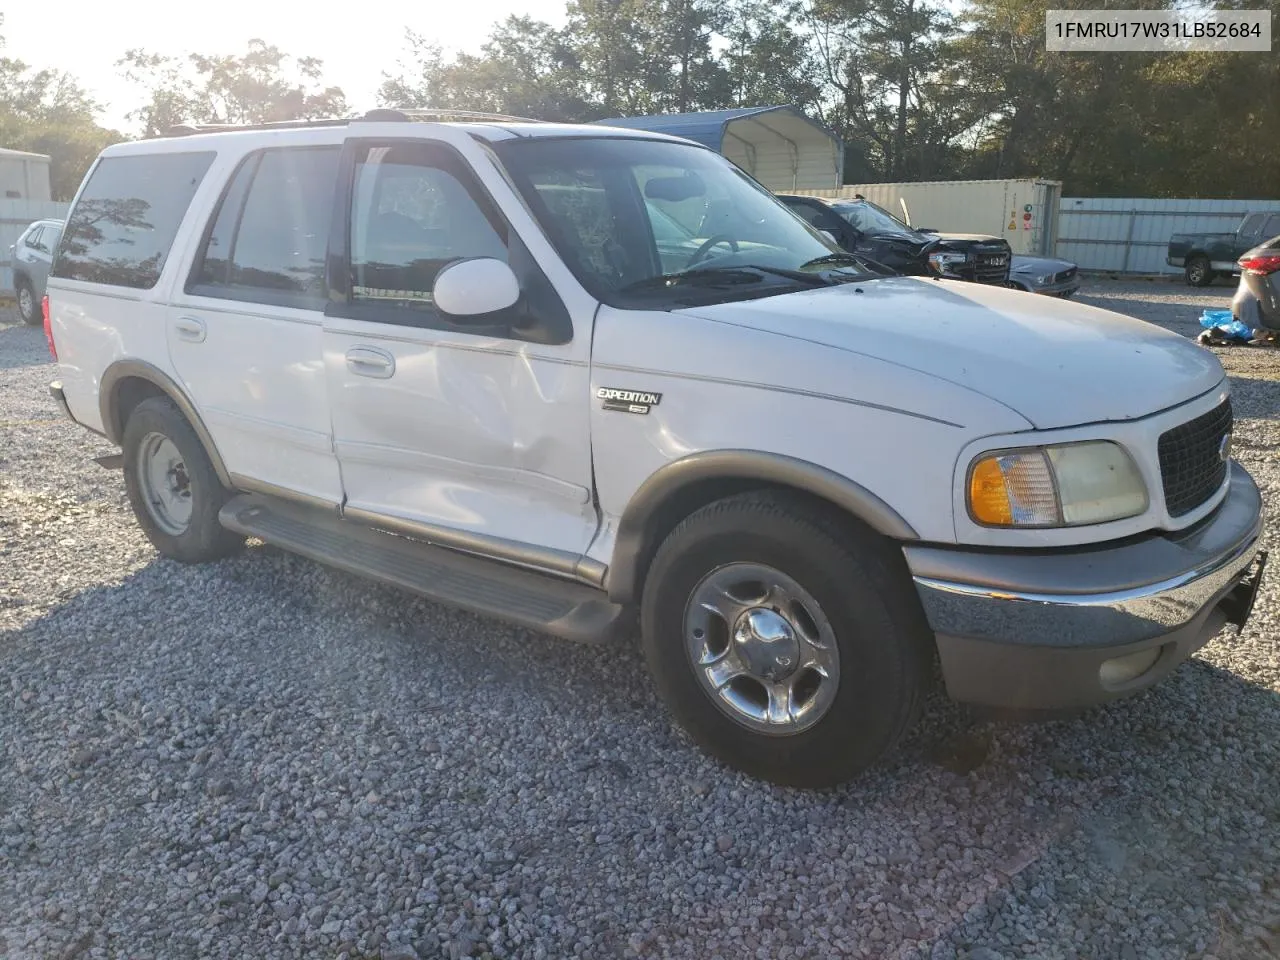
[{"x": 244, "y": 326}]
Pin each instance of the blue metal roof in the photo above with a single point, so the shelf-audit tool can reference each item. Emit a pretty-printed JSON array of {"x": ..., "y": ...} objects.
[{"x": 705, "y": 127}]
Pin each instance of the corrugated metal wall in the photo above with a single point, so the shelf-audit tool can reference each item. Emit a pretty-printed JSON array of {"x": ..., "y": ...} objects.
[
  {"x": 16, "y": 216},
  {"x": 1024, "y": 212},
  {"x": 784, "y": 153},
  {"x": 1131, "y": 235}
]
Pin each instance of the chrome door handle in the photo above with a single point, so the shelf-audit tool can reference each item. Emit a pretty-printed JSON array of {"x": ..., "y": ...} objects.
[
  {"x": 371, "y": 362},
  {"x": 191, "y": 328}
]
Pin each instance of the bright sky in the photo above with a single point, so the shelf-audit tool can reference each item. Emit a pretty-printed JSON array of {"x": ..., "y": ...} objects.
[{"x": 358, "y": 41}]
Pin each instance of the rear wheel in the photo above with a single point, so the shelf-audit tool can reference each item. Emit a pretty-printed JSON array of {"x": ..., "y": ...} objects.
[
  {"x": 172, "y": 486},
  {"x": 28, "y": 309},
  {"x": 1199, "y": 272},
  {"x": 789, "y": 649}
]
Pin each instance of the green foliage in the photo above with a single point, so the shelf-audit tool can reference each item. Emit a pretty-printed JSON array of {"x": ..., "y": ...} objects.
[
  {"x": 918, "y": 89},
  {"x": 260, "y": 87}
]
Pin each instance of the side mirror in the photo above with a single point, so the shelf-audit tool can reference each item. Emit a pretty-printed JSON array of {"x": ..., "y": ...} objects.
[
  {"x": 475, "y": 288},
  {"x": 830, "y": 235},
  {"x": 925, "y": 230}
]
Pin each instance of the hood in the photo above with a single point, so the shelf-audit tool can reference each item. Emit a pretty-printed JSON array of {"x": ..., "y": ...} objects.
[
  {"x": 970, "y": 237},
  {"x": 1057, "y": 363},
  {"x": 1023, "y": 264}
]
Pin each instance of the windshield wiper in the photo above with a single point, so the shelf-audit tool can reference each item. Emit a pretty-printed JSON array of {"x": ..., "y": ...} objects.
[
  {"x": 852, "y": 259},
  {"x": 723, "y": 276}
]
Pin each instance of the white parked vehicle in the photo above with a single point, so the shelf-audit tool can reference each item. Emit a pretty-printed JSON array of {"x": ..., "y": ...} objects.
[{"x": 549, "y": 373}]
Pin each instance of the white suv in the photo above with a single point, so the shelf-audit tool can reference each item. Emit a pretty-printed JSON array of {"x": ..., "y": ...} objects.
[{"x": 549, "y": 373}]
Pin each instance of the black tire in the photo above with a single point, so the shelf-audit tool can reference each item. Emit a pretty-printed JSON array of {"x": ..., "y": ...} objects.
[
  {"x": 865, "y": 593},
  {"x": 1199, "y": 272},
  {"x": 28, "y": 306},
  {"x": 203, "y": 538}
]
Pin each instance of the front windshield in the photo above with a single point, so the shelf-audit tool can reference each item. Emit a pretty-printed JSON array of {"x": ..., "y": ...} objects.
[
  {"x": 623, "y": 212},
  {"x": 869, "y": 218}
]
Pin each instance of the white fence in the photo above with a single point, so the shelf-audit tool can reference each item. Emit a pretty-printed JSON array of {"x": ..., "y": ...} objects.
[
  {"x": 16, "y": 216},
  {"x": 1131, "y": 235}
]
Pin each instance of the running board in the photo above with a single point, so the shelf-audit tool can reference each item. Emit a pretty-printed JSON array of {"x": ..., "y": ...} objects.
[{"x": 543, "y": 603}]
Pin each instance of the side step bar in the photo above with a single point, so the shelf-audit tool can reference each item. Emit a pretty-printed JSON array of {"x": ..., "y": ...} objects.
[{"x": 563, "y": 609}]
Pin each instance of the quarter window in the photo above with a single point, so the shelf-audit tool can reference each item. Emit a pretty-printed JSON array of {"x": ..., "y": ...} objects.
[
  {"x": 415, "y": 209},
  {"x": 125, "y": 221}
]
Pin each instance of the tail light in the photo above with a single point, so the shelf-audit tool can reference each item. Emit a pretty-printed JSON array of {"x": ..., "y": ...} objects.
[
  {"x": 1268, "y": 263},
  {"x": 48, "y": 327}
]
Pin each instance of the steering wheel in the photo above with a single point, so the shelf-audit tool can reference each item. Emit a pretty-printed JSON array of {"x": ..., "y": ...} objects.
[{"x": 701, "y": 253}]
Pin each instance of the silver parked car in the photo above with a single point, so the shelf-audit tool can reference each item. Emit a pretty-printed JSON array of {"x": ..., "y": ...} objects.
[
  {"x": 1055, "y": 278},
  {"x": 31, "y": 256}
]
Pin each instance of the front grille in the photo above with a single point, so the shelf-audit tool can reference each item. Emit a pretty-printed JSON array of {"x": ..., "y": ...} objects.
[
  {"x": 1064, "y": 276},
  {"x": 991, "y": 267},
  {"x": 1191, "y": 462}
]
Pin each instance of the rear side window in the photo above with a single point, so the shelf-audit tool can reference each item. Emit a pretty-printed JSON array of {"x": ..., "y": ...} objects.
[
  {"x": 127, "y": 216},
  {"x": 1252, "y": 224},
  {"x": 1272, "y": 226},
  {"x": 269, "y": 236}
]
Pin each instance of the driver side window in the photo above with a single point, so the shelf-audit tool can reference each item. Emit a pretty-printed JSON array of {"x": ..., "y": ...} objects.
[
  {"x": 413, "y": 211},
  {"x": 1252, "y": 224}
]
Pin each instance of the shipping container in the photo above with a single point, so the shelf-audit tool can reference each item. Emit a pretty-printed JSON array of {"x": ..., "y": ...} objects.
[{"x": 1023, "y": 212}]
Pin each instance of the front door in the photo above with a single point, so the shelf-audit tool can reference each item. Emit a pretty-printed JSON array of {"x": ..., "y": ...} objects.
[{"x": 475, "y": 433}]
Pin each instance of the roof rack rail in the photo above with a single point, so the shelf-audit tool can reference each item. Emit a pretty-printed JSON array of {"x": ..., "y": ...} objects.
[
  {"x": 428, "y": 113},
  {"x": 189, "y": 129},
  {"x": 381, "y": 114}
]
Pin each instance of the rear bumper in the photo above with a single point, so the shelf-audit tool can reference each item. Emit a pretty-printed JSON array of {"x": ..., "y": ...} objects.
[
  {"x": 1061, "y": 630},
  {"x": 60, "y": 397},
  {"x": 1258, "y": 308}
]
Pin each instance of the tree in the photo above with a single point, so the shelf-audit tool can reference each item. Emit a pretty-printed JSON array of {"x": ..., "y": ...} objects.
[
  {"x": 878, "y": 57},
  {"x": 260, "y": 87},
  {"x": 527, "y": 68},
  {"x": 47, "y": 111},
  {"x": 768, "y": 61}
]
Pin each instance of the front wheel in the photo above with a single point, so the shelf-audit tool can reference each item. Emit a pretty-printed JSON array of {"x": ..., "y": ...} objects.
[
  {"x": 793, "y": 652},
  {"x": 172, "y": 486}
]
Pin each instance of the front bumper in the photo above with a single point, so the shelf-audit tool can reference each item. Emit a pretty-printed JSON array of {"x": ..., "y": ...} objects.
[
  {"x": 1031, "y": 630},
  {"x": 1065, "y": 288}
]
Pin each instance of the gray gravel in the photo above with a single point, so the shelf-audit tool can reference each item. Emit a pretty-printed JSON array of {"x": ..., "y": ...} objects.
[{"x": 262, "y": 758}]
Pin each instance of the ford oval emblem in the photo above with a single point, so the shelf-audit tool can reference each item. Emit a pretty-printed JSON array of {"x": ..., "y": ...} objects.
[{"x": 1224, "y": 447}]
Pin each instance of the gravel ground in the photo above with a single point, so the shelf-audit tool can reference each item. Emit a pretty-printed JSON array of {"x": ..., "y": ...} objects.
[{"x": 262, "y": 758}]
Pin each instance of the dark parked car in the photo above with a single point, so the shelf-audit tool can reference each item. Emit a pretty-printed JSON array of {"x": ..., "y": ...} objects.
[
  {"x": 861, "y": 226},
  {"x": 31, "y": 256},
  {"x": 1203, "y": 256},
  {"x": 1257, "y": 299},
  {"x": 1047, "y": 275}
]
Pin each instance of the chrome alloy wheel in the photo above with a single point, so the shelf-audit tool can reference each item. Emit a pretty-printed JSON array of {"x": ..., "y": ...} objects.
[
  {"x": 166, "y": 488},
  {"x": 762, "y": 648}
]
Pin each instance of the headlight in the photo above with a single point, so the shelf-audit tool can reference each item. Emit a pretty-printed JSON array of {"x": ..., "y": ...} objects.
[
  {"x": 1044, "y": 278},
  {"x": 1058, "y": 486},
  {"x": 943, "y": 262}
]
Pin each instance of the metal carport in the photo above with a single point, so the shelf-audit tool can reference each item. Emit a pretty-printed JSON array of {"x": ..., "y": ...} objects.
[{"x": 779, "y": 146}]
